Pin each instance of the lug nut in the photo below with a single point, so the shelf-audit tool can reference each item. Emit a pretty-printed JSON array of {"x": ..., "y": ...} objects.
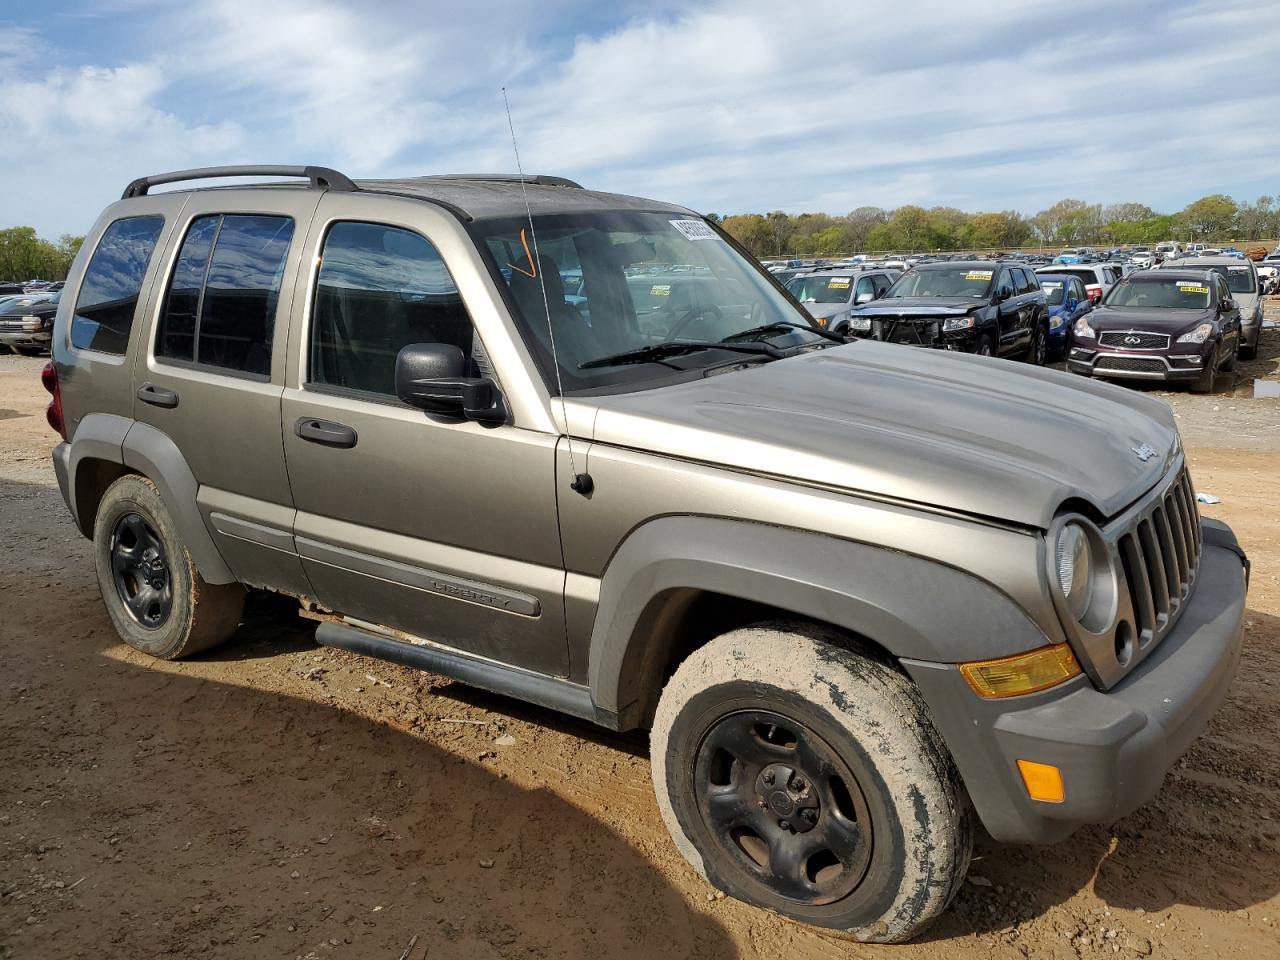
[
  {"x": 768, "y": 776},
  {"x": 785, "y": 824},
  {"x": 798, "y": 783}
]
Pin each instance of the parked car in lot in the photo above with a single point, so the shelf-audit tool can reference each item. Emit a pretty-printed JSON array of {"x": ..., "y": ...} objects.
[
  {"x": 830, "y": 294},
  {"x": 1269, "y": 275},
  {"x": 1097, "y": 278},
  {"x": 979, "y": 306},
  {"x": 1067, "y": 301},
  {"x": 858, "y": 595},
  {"x": 1243, "y": 286},
  {"x": 1166, "y": 250},
  {"x": 1142, "y": 259},
  {"x": 1174, "y": 324},
  {"x": 26, "y": 322}
]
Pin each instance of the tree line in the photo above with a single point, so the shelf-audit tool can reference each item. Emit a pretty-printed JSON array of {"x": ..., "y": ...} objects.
[
  {"x": 25, "y": 256},
  {"x": 1066, "y": 223}
]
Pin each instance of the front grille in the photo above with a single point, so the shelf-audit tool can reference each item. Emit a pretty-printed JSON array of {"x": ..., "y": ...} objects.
[
  {"x": 1160, "y": 555},
  {"x": 11, "y": 325},
  {"x": 1134, "y": 340},
  {"x": 915, "y": 332},
  {"x": 1131, "y": 364}
]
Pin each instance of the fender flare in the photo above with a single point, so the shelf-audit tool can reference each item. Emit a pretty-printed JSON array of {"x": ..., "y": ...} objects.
[
  {"x": 153, "y": 454},
  {"x": 911, "y": 606},
  {"x": 99, "y": 436}
]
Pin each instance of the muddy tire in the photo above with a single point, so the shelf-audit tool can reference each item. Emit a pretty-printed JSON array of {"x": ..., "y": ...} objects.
[
  {"x": 807, "y": 778},
  {"x": 157, "y": 599},
  {"x": 986, "y": 346}
]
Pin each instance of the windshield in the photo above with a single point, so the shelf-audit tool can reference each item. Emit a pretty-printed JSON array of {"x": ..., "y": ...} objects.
[
  {"x": 641, "y": 279},
  {"x": 1239, "y": 279},
  {"x": 820, "y": 289},
  {"x": 1174, "y": 294},
  {"x": 945, "y": 282},
  {"x": 1054, "y": 291}
]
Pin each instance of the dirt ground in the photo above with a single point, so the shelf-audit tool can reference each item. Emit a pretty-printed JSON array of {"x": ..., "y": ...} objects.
[{"x": 276, "y": 799}]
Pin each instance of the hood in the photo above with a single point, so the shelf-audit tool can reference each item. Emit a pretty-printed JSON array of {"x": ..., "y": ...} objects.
[
  {"x": 1000, "y": 440},
  {"x": 919, "y": 306},
  {"x": 1161, "y": 320}
]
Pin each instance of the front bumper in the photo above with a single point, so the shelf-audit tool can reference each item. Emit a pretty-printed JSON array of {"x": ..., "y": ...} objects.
[
  {"x": 1148, "y": 365},
  {"x": 1112, "y": 747},
  {"x": 920, "y": 332},
  {"x": 25, "y": 338}
]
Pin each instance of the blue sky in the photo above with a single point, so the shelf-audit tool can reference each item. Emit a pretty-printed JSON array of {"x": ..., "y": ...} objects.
[{"x": 724, "y": 106}]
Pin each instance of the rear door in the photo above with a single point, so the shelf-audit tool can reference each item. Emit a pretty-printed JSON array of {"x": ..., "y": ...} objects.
[
  {"x": 213, "y": 373},
  {"x": 440, "y": 528}
]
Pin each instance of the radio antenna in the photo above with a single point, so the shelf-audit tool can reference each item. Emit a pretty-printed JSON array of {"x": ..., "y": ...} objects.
[{"x": 582, "y": 482}]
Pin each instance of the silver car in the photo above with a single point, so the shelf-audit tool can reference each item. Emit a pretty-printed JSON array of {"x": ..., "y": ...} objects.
[{"x": 1246, "y": 290}]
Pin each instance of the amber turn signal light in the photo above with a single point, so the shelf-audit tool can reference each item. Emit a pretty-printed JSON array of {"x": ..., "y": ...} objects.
[
  {"x": 1043, "y": 781},
  {"x": 1023, "y": 673}
]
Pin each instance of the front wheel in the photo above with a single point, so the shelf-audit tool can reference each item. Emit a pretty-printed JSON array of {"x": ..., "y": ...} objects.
[
  {"x": 986, "y": 346},
  {"x": 1208, "y": 379},
  {"x": 1038, "y": 352},
  {"x": 808, "y": 779}
]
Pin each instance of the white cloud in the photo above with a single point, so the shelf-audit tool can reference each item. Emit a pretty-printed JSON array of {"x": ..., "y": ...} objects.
[{"x": 733, "y": 106}]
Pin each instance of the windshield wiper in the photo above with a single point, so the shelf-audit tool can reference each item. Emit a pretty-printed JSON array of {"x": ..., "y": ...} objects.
[
  {"x": 787, "y": 324},
  {"x": 669, "y": 348}
]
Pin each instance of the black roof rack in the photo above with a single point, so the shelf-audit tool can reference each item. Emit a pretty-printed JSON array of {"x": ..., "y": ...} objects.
[
  {"x": 322, "y": 178},
  {"x": 539, "y": 179}
]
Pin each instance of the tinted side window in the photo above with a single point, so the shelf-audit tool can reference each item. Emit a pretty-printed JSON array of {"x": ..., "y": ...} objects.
[
  {"x": 221, "y": 306},
  {"x": 864, "y": 288},
  {"x": 1005, "y": 283},
  {"x": 176, "y": 334},
  {"x": 380, "y": 288},
  {"x": 108, "y": 297},
  {"x": 1023, "y": 282}
]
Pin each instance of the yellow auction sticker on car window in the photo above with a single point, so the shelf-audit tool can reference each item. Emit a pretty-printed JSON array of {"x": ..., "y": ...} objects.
[
  {"x": 838, "y": 283},
  {"x": 978, "y": 275},
  {"x": 1191, "y": 286},
  {"x": 660, "y": 290},
  {"x": 1051, "y": 284}
]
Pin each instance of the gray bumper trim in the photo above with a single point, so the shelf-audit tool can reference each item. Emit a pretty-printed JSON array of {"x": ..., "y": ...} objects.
[{"x": 1113, "y": 748}]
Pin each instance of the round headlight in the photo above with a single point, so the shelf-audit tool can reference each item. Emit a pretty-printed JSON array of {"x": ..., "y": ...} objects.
[{"x": 1074, "y": 574}]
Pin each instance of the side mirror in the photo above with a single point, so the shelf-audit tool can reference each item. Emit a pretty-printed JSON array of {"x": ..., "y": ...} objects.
[
  {"x": 1003, "y": 294},
  {"x": 1227, "y": 305},
  {"x": 1072, "y": 304},
  {"x": 865, "y": 297},
  {"x": 430, "y": 376}
]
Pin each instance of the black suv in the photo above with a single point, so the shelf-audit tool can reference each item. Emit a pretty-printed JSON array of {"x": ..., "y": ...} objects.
[{"x": 978, "y": 306}]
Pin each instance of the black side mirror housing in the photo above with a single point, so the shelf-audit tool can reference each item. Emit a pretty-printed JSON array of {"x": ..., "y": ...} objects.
[
  {"x": 430, "y": 376},
  {"x": 1227, "y": 305}
]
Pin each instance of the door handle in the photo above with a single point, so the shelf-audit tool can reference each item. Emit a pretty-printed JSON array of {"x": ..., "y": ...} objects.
[
  {"x": 325, "y": 432},
  {"x": 157, "y": 396}
]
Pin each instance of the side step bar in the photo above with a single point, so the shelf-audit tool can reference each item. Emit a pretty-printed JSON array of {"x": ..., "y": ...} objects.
[{"x": 571, "y": 698}]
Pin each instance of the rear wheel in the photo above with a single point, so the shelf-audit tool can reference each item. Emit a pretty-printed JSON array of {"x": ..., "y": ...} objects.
[
  {"x": 805, "y": 778},
  {"x": 157, "y": 599}
]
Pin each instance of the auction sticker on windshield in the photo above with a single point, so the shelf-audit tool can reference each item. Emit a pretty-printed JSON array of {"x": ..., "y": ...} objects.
[
  {"x": 694, "y": 230},
  {"x": 838, "y": 283},
  {"x": 978, "y": 275},
  {"x": 660, "y": 290},
  {"x": 1191, "y": 286},
  {"x": 1051, "y": 284}
]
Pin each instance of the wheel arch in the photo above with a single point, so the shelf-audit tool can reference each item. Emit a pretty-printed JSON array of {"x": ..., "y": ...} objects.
[
  {"x": 106, "y": 447},
  {"x": 677, "y": 582}
]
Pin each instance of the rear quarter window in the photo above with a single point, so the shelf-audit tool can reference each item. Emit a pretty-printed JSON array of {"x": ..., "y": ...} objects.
[{"x": 108, "y": 296}]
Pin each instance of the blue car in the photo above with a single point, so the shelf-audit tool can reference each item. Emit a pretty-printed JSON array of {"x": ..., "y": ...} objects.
[{"x": 1068, "y": 302}]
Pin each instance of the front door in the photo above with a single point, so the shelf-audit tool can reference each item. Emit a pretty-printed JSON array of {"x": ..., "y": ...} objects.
[{"x": 443, "y": 529}]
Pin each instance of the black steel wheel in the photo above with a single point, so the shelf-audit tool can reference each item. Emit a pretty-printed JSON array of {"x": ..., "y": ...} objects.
[
  {"x": 784, "y": 806},
  {"x": 157, "y": 600},
  {"x": 140, "y": 571},
  {"x": 799, "y": 774}
]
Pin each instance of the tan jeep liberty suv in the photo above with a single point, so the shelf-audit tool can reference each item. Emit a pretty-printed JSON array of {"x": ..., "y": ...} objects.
[{"x": 858, "y": 594}]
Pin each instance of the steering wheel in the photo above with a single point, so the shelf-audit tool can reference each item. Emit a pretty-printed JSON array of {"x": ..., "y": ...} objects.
[{"x": 678, "y": 327}]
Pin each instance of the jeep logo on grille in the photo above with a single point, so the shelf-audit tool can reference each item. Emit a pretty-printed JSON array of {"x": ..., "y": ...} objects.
[
  {"x": 1144, "y": 452},
  {"x": 1132, "y": 341}
]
